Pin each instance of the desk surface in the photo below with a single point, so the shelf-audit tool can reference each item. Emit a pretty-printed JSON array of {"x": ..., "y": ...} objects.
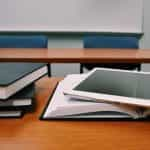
[
  {"x": 31, "y": 134},
  {"x": 75, "y": 55}
]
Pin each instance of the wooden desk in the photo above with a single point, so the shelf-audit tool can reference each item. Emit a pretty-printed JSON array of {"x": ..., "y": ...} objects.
[
  {"x": 30, "y": 133},
  {"x": 75, "y": 55}
]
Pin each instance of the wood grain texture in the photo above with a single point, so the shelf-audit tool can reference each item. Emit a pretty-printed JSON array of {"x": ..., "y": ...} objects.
[
  {"x": 29, "y": 133},
  {"x": 75, "y": 55}
]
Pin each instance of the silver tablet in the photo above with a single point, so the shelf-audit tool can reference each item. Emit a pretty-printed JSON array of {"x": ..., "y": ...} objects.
[{"x": 113, "y": 85}]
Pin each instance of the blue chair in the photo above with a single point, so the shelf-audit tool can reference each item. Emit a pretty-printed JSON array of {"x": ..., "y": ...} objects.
[
  {"x": 111, "y": 42},
  {"x": 18, "y": 41}
]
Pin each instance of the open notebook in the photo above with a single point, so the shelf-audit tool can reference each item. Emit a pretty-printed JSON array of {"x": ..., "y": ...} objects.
[{"x": 63, "y": 107}]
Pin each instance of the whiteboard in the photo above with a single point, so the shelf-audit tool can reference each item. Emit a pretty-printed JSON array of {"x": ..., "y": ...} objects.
[{"x": 123, "y": 16}]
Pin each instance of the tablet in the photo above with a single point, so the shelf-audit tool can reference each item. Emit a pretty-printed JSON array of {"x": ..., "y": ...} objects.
[{"x": 113, "y": 85}]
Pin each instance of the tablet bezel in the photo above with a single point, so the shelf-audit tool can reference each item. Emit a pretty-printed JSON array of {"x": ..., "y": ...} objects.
[{"x": 99, "y": 97}]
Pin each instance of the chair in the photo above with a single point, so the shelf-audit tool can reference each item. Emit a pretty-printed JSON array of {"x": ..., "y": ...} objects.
[
  {"x": 111, "y": 42},
  {"x": 18, "y": 41}
]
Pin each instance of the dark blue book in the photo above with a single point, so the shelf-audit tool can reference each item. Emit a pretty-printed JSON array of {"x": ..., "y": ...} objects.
[
  {"x": 16, "y": 76},
  {"x": 18, "y": 104},
  {"x": 22, "y": 100},
  {"x": 11, "y": 114}
]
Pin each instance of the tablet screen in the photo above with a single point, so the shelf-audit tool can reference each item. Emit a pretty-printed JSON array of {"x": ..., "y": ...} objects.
[{"x": 110, "y": 82}]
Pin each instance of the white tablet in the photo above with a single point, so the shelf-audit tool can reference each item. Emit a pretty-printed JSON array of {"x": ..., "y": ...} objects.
[{"x": 113, "y": 85}]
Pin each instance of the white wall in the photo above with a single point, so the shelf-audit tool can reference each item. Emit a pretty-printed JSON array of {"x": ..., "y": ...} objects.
[
  {"x": 65, "y": 42},
  {"x": 71, "y": 15},
  {"x": 145, "y": 40}
]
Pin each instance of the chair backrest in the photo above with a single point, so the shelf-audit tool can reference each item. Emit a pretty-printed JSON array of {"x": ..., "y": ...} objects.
[
  {"x": 111, "y": 42},
  {"x": 18, "y": 41},
  {"x": 121, "y": 42}
]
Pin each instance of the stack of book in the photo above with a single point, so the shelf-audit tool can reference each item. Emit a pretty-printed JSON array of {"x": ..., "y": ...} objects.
[
  {"x": 17, "y": 87},
  {"x": 101, "y": 94}
]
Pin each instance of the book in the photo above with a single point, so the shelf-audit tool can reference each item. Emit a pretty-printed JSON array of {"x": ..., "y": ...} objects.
[
  {"x": 60, "y": 106},
  {"x": 22, "y": 100},
  {"x": 11, "y": 114},
  {"x": 15, "y": 76},
  {"x": 113, "y": 85}
]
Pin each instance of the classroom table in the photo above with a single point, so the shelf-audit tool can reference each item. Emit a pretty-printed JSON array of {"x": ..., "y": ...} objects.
[
  {"x": 75, "y": 55},
  {"x": 29, "y": 133}
]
